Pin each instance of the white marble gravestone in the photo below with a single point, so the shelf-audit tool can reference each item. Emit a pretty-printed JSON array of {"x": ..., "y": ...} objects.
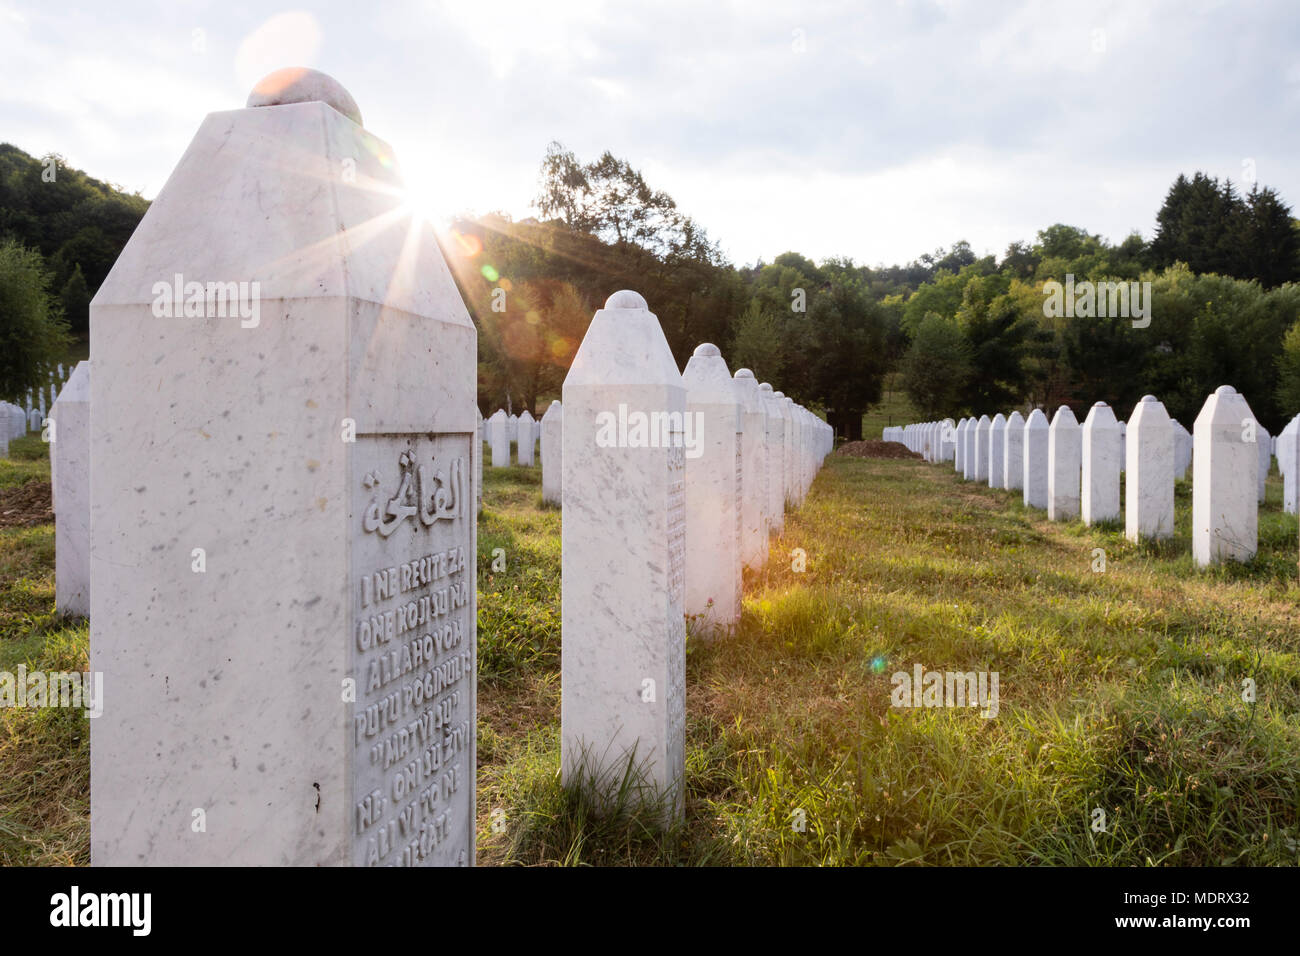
[
  {"x": 498, "y": 434},
  {"x": 1037, "y": 447},
  {"x": 714, "y": 490},
  {"x": 1225, "y": 481},
  {"x": 997, "y": 451},
  {"x": 553, "y": 454},
  {"x": 1064, "y": 451},
  {"x": 512, "y": 427},
  {"x": 1264, "y": 445},
  {"x": 1289, "y": 455},
  {"x": 1102, "y": 450},
  {"x": 959, "y": 448},
  {"x": 775, "y": 458},
  {"x": 968, "y": 451},
  {"x": 782, "y": 406},
  {"x": 527, "y": 438},
  {"x": 980, "y": 472},
  {"x": 70, "y": 474},
  {"x": 623, "y": 670},
  {"x": 1182, "y": 450},
  {"x": 1286, "y": 446},
  {"x": 1149, "y": 474},
  {"x": 1013, "y": 453},
  {"x": 282, "y": 521},
  {"x": 754, "y": 497}
]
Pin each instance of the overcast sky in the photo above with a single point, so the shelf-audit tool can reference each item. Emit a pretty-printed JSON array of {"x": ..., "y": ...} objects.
[{"x": 873, "y": 130}]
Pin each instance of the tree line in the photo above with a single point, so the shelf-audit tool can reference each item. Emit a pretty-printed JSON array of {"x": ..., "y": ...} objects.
[{"x": 959, "y": 333}]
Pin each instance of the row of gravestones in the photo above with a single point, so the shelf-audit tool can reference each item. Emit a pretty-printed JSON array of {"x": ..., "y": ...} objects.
[
  {"x": 1073, "y": 470},
  {"x": 33, "y": 406},
  {"x": 671, "y": 483},
  {"x": 280, "y": 544}
]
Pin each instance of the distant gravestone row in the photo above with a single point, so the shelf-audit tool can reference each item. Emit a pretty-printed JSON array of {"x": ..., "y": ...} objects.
[{"x": 1074, "y": 471}]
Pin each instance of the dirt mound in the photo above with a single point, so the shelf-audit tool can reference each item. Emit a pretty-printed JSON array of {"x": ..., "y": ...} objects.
[
  {"x": 876, "y": 449},
  {"x": 28, "y": 504}
]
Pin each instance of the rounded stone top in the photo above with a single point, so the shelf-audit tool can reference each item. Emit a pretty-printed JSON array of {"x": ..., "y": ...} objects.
[
  {"x": 1100, "y": 405},
  {"x": 765, "y": 387},
  {"x": 744, "y": 373},
  {"x": 298, "y": 84},
  {"x": 1225, "y": 390},
  {"x": 626, "y": 299},
  {"x": 776, "y": 394},
  {"x": 1149, "y": 398},
  {"x": 707, "y": 349}
]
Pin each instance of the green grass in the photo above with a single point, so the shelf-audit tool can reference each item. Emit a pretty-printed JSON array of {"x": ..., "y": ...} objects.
[
  {"x": 28, "y": 458},
  {"x": 44, "y": 753},
  {"x": 894, "y": 409},
  {"x": 1120, "y": 691}
]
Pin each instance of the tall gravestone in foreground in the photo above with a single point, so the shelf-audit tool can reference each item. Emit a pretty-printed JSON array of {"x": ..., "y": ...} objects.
[
  {"x": 1013, "y": 453},
  {"x": 1064, "y": 451},
  {"x": 1037, "y": 448},
  {"x": 775, "y": 459},
  {"x": 70, "y": 477},
  {"x": 753, "y": 548},
  {"x": 1149, "y": 473},
  {"x": 980, "y": 471},
  {"x": 997, "y": 451},
  {"x": 714, "y": 488},
  {"x": 283, "y": 524},
  {"x": 498, "y": 434},
  {"x": 527, "y": 440},
  {"x": 1225, "y": 519},
  {"x": 553, "y": 454},
  {"x": 623, "y": 670},
  {"x": 1102, "y": 449}
]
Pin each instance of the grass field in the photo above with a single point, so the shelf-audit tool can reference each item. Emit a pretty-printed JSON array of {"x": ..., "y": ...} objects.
[{"x": 1120, "y": 693}]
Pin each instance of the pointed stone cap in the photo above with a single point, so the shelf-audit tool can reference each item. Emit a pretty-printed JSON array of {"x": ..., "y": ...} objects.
[
  {"x": 1150, "y": 413},
  {"x": 1292, "y": 427},
  {"x": 1100, "y": 417},
  {"x": 527, "y": 416},
  {"x": 707, "y": 379},
  {"x": 298, "y": 84},
  {"x": 1225, "y": 407},
  {"x": 984, "y": 424},
  {"x": 499, "y": 416},
  {"x": 624, "y": 345},
  {"x": 1064, "y": 418},
  {"x": 1015, "y": 420},
  {"x": 746, "y": 387},
  {"x": 555, "y": 411},
  {"x": 999, "y": 422},
  {"x": 77, "y": 387},
  {"x": 1036, "y": 419}
]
